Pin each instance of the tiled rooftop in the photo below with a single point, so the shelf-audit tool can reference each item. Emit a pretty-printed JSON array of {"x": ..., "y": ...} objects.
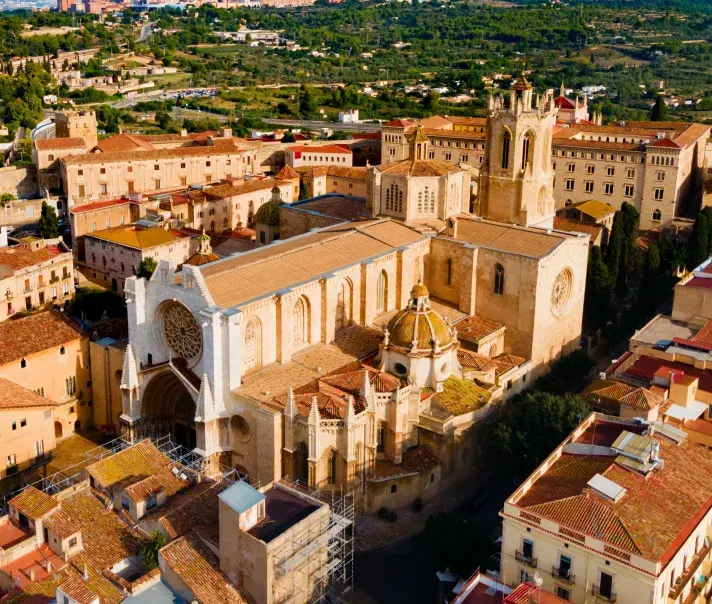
[
  {"x": 656, "y": 513},
  {"x": 33, "y": 503},
  {"x": 136, "y": 237},
  {"x": 282, "y": 511},
  {"x": 20, "y": 256}
]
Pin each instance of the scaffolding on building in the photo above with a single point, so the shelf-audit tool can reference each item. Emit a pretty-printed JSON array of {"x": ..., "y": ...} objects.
[{"x": 317, "y": 565}]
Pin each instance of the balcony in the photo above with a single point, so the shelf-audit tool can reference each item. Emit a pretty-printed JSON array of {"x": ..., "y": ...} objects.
[
  {"x": 691, "y": 570},
  {"x": 54, "y": 280},
  {"x": 563, "y": 574},
  {"x": 527, "y": 560},
  {"x": 596, "y": 591},
  {"x": 28, "y": 289}
]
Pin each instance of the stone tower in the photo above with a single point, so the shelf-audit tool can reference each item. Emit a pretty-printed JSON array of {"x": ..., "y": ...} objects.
[
  {"x": 516, "y": 180},
  {"x": 73, "y": 124}
]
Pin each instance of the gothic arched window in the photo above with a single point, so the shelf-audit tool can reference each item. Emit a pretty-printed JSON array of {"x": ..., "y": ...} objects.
[
  {"x": 498, "y": 279},
  {"x": 331, "y": 468},
  {"x": 253, "y": 344},
  {"x": 506, "y": 139},
  {"x": 381, "y": 440},
  {"x": 526, "y": 144},
  {"x": 657, "y": 215},
  {"x": 382, "y": 292},
  {"x": 300, "y": 323}
]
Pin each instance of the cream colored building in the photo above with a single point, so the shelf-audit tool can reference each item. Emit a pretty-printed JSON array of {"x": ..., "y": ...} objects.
[
  {"x": 111, "y": 174},
  {"x": 33, "y": 274},
  {"x": 334, "y": 179},
  {"x": 655, "y": 166},
  {"x": 303, "y": 156},
  {"x": 619, "y": 512},
  {"x": 113, "y": 255}
]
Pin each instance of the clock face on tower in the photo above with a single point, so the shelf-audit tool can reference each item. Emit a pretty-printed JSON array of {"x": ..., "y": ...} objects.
[{"x": 181, "y": 332}]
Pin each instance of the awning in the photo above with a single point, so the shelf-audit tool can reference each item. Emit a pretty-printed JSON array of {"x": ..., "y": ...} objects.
[{"x": 694, "y": 411}]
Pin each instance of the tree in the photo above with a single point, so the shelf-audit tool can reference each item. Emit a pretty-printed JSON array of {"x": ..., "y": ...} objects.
[
  {"x": 622, "y": 280},
  {"x": 288, "y": 137},
  {"x": 48, "y": 226},
  {"x": 599, "y": 284},
  {"x": 697, "y": 247},
  {"x": 150, "y": 547},
  {"x": 146, "y": 268},
  {"x": 615, "y": 242},
  {"x": 659, "y": 112},
  {"x": 630, "y": 222},
  {"x": 535, "y": 425},
  {"x": 307, "y": 102}
]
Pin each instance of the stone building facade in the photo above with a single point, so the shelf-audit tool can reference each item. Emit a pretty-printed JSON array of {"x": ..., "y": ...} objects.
[{"x": 655, "y": 166}]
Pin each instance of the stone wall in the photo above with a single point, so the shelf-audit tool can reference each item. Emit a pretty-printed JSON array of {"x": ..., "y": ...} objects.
[
  {"x": 295, "y": 222},
  {"x": 106, "y": 365},
  {"x": 20, "y": 182}
]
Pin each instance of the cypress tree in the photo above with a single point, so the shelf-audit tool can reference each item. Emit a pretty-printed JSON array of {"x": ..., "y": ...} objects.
[
  {"x": 615, "y": 241},
  {"x": 697, "y": 248},
  {"x": 622, "y": 280},
  {"x": 659, "y": 112}
]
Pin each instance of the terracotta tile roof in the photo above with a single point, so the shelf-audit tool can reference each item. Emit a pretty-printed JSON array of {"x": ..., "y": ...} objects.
[
  {"x": 319, "y": 149},
  {"x": 420, "y": 459},
  {"x": 75, "y": 588},
  {"x": 237, "y": 280},
  {"x": 197, "y": 567},
  {"x": 50, "y": 144},
  {"x": 250, "y": 186},
  {"x": 666, "y": 143},
  {"x": 574, "y": 226},
  {"x": 106, "y": 539},
  {"x": 33, "y": 503},
  {"x": 398, "y": 123},
  {"x": 331, "y": 405},
  {"x": 199, "y": 511},
  {"x": 455, "y": 134},
  {"x": 36, "y": 333},
  {"x": 99, "y": 205},
  {"x": 427, "y": 167},
  {"x": 474, "y": 328},
  {"x": 136, "y": 237},
  {"x": 137, "y": 462},
  {"x": 527, "y": 594},
  {"x": 14, "y": 396},
  {"x": 142, "y": 489},
  {"x": 123, "y": 142},
  {"x": 606, "y": 391},
  {"x": 435, "y": 122},
  {"x": 146, "y": 155},
  {"x": 287, "y": 173},
  {"x": 461, "y": 396},
  {"x": 508, "y": 238},
  {"x": 563, "y": 103},
  {"x": 653, "y": 518},
  {"x": 353, "y": 172},
  {"x": 352, "y": 381},
  {"x": 506, "y": 361},
  {"x": 643, "y": 399},
  {"x": 62, "y": 524},
  {"x": 474, "y": 360},
  {"x": 21, "y": 256}
]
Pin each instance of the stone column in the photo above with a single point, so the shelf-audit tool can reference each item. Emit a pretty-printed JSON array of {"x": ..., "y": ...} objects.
[
  {"x": 285, "y": 302},
  {"x": 213, "y": 354},
  {"x": 289, "y": 451},
  {"x": 468, "y": 279},
  {"x": 314, "y": 448},
  {"x": 234, "y": 341}
]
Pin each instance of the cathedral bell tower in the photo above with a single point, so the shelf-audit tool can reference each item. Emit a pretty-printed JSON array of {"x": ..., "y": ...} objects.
[{"x": 516, "y": 180}]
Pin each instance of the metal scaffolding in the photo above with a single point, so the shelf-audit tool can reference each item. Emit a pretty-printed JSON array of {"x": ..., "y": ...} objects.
[{"x": 317, "y": 565}]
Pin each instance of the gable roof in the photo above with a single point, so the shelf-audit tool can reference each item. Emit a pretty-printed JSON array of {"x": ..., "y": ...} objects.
[
  {"x": 36, "y": 333},
  {"x": 33, "y": 503},
  {"x": 52, "y": 144},
  {"x": 137, "y": 237}
]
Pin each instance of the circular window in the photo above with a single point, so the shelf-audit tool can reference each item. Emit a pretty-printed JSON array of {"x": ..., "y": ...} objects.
[
  {"x": 240, "y": 428},
  {"x": 181, "y": 332},
  {"x": 400, "y": 369},
  {"x": 561, "y": 292}
]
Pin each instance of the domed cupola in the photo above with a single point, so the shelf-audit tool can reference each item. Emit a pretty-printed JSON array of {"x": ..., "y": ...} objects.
[
  {"x": 419, "y": 344},
  {"x": 418, "y": 329}
]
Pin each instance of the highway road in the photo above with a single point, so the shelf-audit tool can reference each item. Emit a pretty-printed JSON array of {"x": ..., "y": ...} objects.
[{"x": 146, "y": 31}]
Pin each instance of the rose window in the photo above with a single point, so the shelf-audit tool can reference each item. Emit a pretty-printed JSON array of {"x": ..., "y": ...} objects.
[
  {"x": 181, "y": 332},
  {"x": 561, "y": 292}
]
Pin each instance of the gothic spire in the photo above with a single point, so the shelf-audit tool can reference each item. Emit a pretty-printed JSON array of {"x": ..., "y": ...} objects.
[
  {"x": 129, "y": 375},
  {"x": 204, "y": 407}
]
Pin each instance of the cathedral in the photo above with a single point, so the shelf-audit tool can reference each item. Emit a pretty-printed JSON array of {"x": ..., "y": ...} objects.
[{"x": 366, "y": 355}]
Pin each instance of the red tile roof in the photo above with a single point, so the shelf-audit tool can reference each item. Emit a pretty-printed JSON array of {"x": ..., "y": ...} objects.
[
  {"x": 51, "y": 144},
  {"x": 33, "y": 503},
  {"x": 398, "y": 123},
  {"x": 654, "y": 516},
  {"x": 527, "y": 593},
  {"x": 99, "y": 205},
  {"x": 563, "y": 103},
  {"x": 36, "y": 333},
  {"x": 666, "y": 143},
  {"x": 21, "y": 256},
  {"x": 14, "y": 396}
]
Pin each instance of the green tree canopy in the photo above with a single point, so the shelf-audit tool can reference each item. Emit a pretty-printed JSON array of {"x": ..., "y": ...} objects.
[
  {"x": 697, "y": 247},
  {"x": 146, "y": 268},
  {"x": 48, "y": 226},
  {"x": 150, "y": 547},
  {"x": 599, "y": 285},
  {"x": 659, "y": 112},
  {"x": 457, "y": 544}
]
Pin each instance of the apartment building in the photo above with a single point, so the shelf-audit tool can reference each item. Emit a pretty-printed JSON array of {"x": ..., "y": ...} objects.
[
  {"x": 112, "y": 255},
  {"x": 104, "y": 175},
  {"x": 35, "y": 273},
  {"x": 301, "y": 156},
  {"x": 655, "y": 166},
  {"x": 619, "y": 512}
]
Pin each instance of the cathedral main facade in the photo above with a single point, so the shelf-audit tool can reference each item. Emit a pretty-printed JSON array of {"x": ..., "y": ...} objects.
[{"x": 365, "y": 355}]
